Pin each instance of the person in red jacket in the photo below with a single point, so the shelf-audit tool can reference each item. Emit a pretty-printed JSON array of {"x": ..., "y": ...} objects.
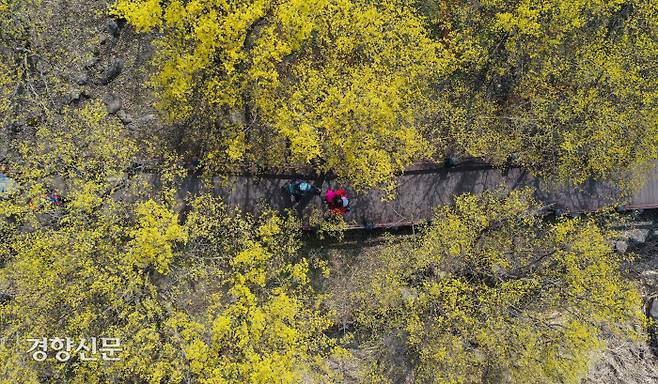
[{"x": 337, "y": 201}]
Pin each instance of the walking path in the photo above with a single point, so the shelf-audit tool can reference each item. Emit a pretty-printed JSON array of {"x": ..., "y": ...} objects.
[{"x": 424, "y": 188}]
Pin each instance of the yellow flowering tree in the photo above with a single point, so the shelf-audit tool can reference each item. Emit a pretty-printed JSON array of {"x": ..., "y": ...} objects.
[
  {"x": 218, "y": 299},
  {"x": 490, "y": 292},
  {"x": 341, "y": 85},
  {"x": 211, "y": 297},
  {"x": 264, "y": 320},
  {"x": 564, "y": 88}
]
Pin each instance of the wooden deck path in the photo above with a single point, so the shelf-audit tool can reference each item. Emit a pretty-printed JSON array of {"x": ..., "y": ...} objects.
[{"x": 424, "y": 188}]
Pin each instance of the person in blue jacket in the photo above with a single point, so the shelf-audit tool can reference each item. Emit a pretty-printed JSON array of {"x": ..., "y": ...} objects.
[{"x": 300, "y": 189}]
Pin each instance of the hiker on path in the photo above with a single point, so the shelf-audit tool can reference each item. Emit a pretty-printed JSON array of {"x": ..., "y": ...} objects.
[
  {"x": 51, "y": 198},
  {"x": 337, "y": 201},
  {"x": 300, "y": 189},
  {"x": 55, "y": 199}
]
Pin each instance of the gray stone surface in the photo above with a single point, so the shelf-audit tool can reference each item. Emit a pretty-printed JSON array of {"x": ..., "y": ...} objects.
[
  {"x": 112, "y": 103},
  {"x": 113, "y": 28},
  {"x": 92, "y": 61},
  {"x": 112, "y": 71},
  {"x": 621, "y": 246},
  {"x": 82, "y": 79},
  {"x": 638, "y": 236},
  {"x": 124, "y": 117}
]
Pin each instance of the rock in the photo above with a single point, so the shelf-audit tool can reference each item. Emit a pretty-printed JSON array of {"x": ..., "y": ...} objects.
[
  {"x": 621, "y": 246},
  {"x": 124, "y": 117},
  {"x": 82, "y": 79},
  {"x": 112, "y": 71},
  {"x": 144, "y": 54},
  {"x": 145, "y": 119},
  {"x": 638, "y": 236},
  {"x": 237, "y": 117},
  {"x": 407, "y": 294},
  {"x": 113, "y": 28},
  {"x": 74, "y": 96},
  {"x": 112, "y": 103},
  {"x": 92, "y": 62},
  {"x": 78, "y": 95},
  {"x": 653, "y": 310},
  {"x": 141, "y": 121}
]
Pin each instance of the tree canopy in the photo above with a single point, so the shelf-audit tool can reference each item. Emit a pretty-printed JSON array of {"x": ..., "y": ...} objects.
[
  {"x": 342, "y": 85},
  {"x": 117, "y": 260},
  {"x": 365, "y": 88},
  {"x": 98, "y": 239},
  {"x": 253, "y": 323},
  {"x": 566, "y": 89},
  {"x": 490, "y": 292}
]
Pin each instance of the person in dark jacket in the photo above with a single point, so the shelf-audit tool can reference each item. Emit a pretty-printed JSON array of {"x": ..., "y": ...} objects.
[{"x": 300, "y": 189}]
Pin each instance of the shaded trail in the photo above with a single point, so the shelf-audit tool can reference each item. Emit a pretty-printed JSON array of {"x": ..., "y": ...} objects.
[{"x": 420, "y": 190}]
